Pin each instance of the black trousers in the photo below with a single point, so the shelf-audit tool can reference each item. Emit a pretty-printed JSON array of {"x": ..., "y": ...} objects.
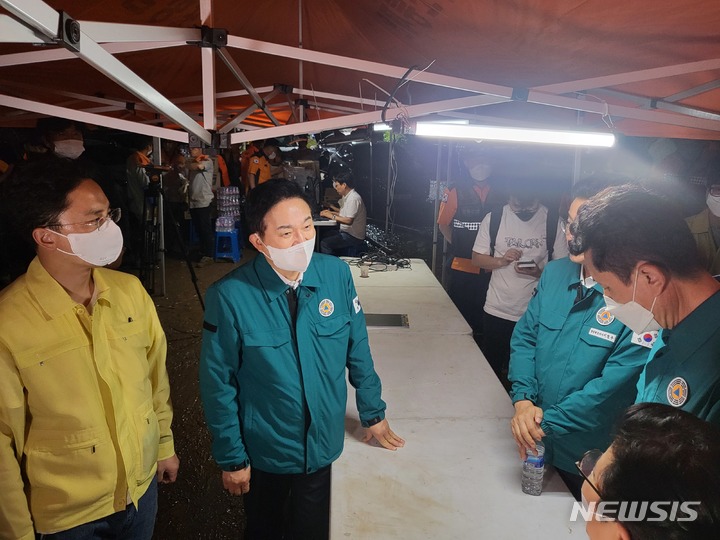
[
  {"x": 496, "y": 345},
  {"x": 202, "y": 220},
  {"x": 288, "y": 506},
  {"x": 573, "y": 482},
  {"x": 468, "y": 292},
  {"x": 175, "y": 212},
  {"x": 335, "y": 242}
]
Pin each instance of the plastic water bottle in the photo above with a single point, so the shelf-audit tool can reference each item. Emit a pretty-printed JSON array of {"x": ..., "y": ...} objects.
[{"x": 533, "y": 470}]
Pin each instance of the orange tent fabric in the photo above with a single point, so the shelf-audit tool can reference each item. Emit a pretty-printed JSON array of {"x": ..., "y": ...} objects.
[{"x": 522, "y": 44}]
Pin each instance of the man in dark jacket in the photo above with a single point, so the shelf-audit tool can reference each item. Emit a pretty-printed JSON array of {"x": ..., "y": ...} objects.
[{"x": 279, "y": 334}]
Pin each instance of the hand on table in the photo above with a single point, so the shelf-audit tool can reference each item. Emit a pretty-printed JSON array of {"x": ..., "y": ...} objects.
[{"x": 384, "y": 435}]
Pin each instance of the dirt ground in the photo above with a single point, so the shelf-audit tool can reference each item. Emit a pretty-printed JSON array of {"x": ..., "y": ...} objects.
[{"x": 196, "y": 506}]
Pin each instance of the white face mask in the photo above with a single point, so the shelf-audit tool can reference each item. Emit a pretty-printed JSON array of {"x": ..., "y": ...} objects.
[
  {"x": 480, "y": 172},
  {"x": 293, "y": 259},
  {"x": 100, "y": 247},
  {"x": 587, "y": 281},
  {"x": 633, "y": 315},
  {"x": 713, "y": 204},
  {"x": 69, "y": 148}
]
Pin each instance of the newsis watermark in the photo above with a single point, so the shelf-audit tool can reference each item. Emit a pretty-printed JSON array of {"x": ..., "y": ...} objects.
[{"x": 635, "y": 510}]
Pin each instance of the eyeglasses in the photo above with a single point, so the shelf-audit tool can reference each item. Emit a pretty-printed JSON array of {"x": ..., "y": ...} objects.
[
  {"x": 714, "y": 190},
  {"x": 95, "y": 224},
  {"x": 565, "y": 224},
  {"x": 586, "y": 465}
]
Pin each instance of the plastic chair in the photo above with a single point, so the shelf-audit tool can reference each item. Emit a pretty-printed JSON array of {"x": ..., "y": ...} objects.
[{"x": 227, "y": 245}]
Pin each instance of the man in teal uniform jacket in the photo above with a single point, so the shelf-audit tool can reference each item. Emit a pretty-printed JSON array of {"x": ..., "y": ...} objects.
[
  {"x": 573, "y": 366},
  {"x": 279, "y": 334},
  {"x": 639, "y": 248}
]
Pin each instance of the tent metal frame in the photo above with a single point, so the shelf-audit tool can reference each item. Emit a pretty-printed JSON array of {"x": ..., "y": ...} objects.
[{"x": 33, "y": 21}]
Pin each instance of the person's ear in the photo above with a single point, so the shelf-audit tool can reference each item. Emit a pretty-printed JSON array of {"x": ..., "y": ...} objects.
[
  {"x": 257, "y": 242},
  {"x": 653, "y": 276},
  {"x": 44, "y": 238}
]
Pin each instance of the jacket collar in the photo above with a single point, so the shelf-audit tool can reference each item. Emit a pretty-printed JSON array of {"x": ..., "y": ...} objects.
[
  {"x": 271, "y": 283},
  {"x": 50, "y": 295},
  {"x": 579, "y": 282},
  {"x": 700, "y": 223}
]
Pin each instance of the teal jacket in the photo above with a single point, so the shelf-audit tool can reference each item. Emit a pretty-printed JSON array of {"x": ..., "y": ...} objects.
[
  {"x": 575, "y": 362},
  {"x": 684, "y": 365},
  {"x": 278, "y": 397}
]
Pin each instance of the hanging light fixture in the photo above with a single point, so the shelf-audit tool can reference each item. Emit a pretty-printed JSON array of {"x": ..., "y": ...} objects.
[{"x": 499, "y": 133}]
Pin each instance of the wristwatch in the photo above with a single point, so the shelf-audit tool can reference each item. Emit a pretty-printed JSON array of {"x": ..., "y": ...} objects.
[
  {"x": 234, "y": 468},
  {"x": 373, "y": 421}
]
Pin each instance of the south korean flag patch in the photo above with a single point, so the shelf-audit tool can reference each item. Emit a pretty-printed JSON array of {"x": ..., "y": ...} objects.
[
  {"x": 646, "y": 339},
  {"x": 356, "y": 305}
]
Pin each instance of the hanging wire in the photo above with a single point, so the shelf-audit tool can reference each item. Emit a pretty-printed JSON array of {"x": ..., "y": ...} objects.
[
  {"x": 397, "y": 87},
  {"x": 605, "y": 116}
]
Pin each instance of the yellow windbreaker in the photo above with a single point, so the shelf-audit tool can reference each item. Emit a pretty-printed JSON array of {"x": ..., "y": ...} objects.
[{"x": 85, "y": 408}]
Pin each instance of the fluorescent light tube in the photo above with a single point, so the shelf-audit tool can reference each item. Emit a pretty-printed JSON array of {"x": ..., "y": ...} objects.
[{"x": 496, "y": 133}]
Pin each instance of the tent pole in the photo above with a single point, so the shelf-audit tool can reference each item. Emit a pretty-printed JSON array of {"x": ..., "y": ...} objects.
[
  {"x": 372, "y": 178},
  {"x": 301, "y": 108},
  {"x": 444, "y": 276},
  {"x": 436, "y": 207},
  {"x": 157, "y": 158},
  {"x": 389, "y": 183},
  {"x": 577, "y": 161}
]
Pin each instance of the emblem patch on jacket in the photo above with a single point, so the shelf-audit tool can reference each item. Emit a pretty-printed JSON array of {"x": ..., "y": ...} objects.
[
  {"x": 677, "y": 392},
  {"x": 604, "y": 317},
  {"x": 326, "y": 307},
  {"x": 356, "y": 304}
]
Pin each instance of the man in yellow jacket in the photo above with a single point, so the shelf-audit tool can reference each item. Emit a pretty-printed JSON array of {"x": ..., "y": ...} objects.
[{"x": 85, "y": 408}]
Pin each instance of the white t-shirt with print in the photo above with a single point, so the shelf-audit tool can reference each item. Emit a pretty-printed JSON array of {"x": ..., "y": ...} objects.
[{"x": 509, "y": 292}]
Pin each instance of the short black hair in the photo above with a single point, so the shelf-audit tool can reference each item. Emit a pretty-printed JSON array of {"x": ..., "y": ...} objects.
[
  {"x": 589, "y": 187},
  {"x": 141, "y": 142},
  {"x": 661, "y": 453},
  {"x": 37, "y": 193},
  {"x": 345, "y": 178},
  {"x": 264, "y": 197},
  {"x": 523, "y": 188},
  {"x": 626, "y": 224},
  {"x": 46, "y": 127}
]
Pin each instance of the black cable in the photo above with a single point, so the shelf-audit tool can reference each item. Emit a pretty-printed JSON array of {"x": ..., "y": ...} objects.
[
  {"x": 379, "y": 261},
  {"x": 397, "y": 87}
]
